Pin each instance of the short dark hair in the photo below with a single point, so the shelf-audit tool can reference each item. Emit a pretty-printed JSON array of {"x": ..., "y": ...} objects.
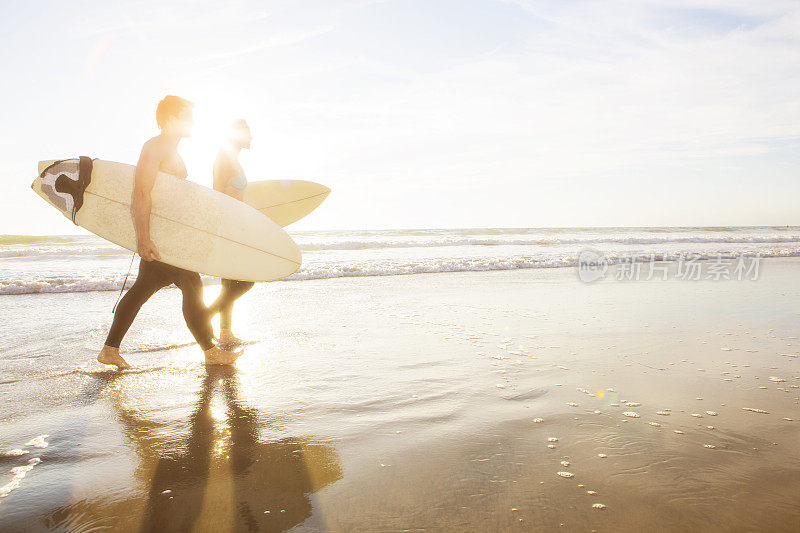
[{"x": 170, "y": 106}]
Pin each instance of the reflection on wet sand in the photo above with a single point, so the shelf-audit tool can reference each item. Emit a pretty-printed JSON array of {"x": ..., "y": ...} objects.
[{"x": 221, "y": 477}]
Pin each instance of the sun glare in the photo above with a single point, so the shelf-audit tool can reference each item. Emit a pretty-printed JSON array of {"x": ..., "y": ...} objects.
[{"x": 211, "y": 127}]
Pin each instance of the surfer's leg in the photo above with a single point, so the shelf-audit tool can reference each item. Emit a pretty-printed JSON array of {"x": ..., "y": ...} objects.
[
  {"x": 231, "y": 291},
  {"x": 194, "y": 310},
  {"x": 150, "y": 279},
  {"x": 214, "y": 308}
]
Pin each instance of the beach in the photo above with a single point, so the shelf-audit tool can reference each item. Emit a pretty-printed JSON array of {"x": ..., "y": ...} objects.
[
  {"x": 502, "y": 266},
  {"x": 506, "y": 400}
]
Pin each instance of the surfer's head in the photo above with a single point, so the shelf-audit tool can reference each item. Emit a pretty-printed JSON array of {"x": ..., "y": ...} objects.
[
  {"x": 174, "y": 116},
  {"x": 239, "y": 136}
]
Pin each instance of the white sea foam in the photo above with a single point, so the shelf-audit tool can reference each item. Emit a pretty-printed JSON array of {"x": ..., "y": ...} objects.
[
  {"x": 21, "y": 246},
  {"x": 18, "y": 473},
  {"x": 589, "y": 241},
  {"x": 45, "y": 252},
  {"x": 87, "y": 263}
]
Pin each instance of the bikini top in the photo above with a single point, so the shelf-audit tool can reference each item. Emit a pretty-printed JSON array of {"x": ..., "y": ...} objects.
[{"x": 241, "y": 180}]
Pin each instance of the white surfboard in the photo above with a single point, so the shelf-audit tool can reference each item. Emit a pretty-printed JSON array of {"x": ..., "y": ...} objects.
[
  {"x": 285, "y": 201},
  {"x": 192, "y": 226}
]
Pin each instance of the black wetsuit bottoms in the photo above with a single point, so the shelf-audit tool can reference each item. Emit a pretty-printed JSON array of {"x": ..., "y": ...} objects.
[
  {"x": 155, "y": 275},
  {"x": 231, "y": 290}
]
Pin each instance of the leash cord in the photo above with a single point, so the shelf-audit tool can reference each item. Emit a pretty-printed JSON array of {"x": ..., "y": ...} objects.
[{"x": 124, "y": 282}]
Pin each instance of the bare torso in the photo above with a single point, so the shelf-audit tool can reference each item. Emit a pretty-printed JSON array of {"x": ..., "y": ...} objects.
[{"x": 171, "y": 161}]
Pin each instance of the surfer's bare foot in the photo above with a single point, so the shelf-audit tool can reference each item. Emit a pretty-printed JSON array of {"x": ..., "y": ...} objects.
[
  {"x": 110, "y": 356},
  {"x": 218, "y": 356},
  {"x": 226, "y": 336}
]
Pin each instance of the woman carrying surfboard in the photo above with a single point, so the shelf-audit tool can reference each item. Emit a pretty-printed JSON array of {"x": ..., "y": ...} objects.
[{"x": 229, "y": 178}]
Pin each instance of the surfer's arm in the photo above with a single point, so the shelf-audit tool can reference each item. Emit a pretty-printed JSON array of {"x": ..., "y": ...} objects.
[{"x": 145, "y": 178}]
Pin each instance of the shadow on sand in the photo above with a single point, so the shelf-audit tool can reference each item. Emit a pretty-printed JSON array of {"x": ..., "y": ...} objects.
[
  {"x": 269, "y": 482},
  {"x": 221, "y": 477}
]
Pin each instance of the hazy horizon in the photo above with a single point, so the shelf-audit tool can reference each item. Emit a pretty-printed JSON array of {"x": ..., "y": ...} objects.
[{"x": 79, "y": 231}]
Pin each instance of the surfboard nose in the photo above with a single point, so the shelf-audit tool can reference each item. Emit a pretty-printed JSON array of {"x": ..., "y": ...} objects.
[
  {"x": 57, "y": 182},
  {"x": 44, "y": 164}
]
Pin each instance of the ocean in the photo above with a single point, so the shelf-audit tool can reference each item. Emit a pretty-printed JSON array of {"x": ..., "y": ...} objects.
[
  {"x": 87, "y": 263},
  {"x": 518, "y": 398}
]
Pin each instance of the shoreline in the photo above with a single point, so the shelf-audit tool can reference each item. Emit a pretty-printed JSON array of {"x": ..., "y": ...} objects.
[{"x": 412, "y": 401}]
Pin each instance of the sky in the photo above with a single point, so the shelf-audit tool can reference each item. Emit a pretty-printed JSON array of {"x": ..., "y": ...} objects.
[{"x": 427, "y": 113}]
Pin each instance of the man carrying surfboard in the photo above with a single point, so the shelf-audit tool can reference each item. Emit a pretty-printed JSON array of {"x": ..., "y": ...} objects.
[
  {"x": 174, "y": 118},
  {"x": 230, "y": 179}
]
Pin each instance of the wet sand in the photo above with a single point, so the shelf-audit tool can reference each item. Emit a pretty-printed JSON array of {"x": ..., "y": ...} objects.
[{"x": 426, "y": 402}]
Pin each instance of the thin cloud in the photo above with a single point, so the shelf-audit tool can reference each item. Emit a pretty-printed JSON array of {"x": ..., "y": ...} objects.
[{"x": 277, "y": 40}]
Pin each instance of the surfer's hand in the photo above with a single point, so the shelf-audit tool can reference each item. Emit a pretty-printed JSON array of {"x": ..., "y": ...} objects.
[{"x": 148, "y": 250}]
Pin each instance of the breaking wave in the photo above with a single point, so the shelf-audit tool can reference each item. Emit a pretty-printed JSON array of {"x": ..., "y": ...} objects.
[{"x": 389, "y": 267}]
